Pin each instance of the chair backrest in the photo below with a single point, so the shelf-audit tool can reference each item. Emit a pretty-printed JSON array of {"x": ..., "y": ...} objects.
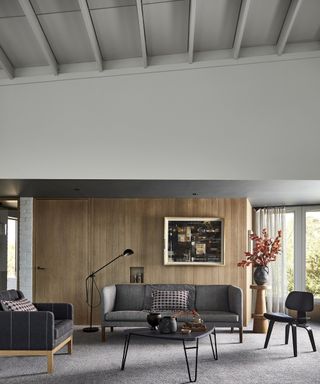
[{"x": 300, "y": 301}]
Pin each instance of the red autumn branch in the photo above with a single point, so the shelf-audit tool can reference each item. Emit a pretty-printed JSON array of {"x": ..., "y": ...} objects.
[{"x": 264, "y": 251}]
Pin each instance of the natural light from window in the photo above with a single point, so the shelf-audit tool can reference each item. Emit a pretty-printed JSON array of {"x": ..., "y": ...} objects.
[{"x": 313, "y": 252}]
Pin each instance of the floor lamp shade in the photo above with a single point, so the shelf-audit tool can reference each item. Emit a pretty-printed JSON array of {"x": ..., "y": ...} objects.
[{"x": 92, "y": 283}]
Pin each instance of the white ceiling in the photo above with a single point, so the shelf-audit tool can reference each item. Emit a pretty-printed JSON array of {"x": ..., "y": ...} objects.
[{"x": 54, "y": 36}]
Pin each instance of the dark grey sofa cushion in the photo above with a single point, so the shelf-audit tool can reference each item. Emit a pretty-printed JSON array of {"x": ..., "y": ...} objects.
[
  {"x": 129, "y": 297},
  {"x": 218, "y": 316},
  {"x": 212, "y": 298},
  {"x": 169, "y": 287},
  {"x": 126, "y": 316}
]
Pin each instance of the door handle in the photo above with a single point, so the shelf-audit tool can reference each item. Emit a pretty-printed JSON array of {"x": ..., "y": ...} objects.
[{"x": 41, "y": 268}]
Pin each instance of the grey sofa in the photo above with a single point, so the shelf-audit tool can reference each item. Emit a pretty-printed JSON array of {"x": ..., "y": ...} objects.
[
  {"x": 127, "y": 305},
  {"x": 35, "y": 333}
]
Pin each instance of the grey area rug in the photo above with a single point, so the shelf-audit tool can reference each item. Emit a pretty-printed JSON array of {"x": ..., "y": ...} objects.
[{"x": 157, "y": 361}]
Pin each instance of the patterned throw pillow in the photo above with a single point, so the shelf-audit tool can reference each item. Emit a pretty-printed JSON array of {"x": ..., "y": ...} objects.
[
  {"x": 169, "y": 301},
  {"x": 21, "y": 305}
]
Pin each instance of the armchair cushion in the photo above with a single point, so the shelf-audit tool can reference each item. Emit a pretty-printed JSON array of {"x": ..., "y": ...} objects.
[
  {"x": 20, "y": 305},
  {"x": 62, "y": 327}
]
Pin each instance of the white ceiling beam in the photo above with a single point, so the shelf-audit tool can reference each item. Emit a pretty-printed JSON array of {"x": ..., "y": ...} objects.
[
  {"x": 142, "y": 33},
  {"x": 287, "y": 25},
  {"x": 91, "y": 33},
  {"x": 243, "y": 16},
  {"x": 6, "y": 65},
  {"x": 39, "y": 34},
  {"x": 192, "y": 27}
]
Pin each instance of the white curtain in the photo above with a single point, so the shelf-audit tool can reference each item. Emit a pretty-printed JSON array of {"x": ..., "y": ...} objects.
[{"x": 273, "y": 219}]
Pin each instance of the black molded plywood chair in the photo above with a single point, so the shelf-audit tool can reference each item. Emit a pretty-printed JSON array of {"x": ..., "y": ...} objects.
[{"x": 302, "y": 302}]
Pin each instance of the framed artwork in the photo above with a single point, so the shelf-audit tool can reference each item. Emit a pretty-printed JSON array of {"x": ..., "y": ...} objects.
[{"x": 193, "y": 241}]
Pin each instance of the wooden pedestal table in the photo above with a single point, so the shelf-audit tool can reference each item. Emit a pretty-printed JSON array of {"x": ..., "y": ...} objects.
[{"x": 260, "y": 323}]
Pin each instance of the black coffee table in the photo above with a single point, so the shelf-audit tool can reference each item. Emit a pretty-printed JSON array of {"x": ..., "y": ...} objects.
[{"x": 178, "y": 336}]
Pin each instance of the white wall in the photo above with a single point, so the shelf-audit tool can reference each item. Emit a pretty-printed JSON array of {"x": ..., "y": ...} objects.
[{"x": 258, "y": 121}]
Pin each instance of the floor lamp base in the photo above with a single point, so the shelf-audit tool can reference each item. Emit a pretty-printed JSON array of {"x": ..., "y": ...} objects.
[{"x": 91, "y": 329}]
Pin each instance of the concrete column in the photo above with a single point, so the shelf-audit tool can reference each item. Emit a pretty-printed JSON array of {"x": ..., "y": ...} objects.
[{"x": 25, "y": 246}]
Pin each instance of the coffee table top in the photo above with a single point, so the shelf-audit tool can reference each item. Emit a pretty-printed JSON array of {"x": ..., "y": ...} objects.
[{"x": 148, "y": 332}]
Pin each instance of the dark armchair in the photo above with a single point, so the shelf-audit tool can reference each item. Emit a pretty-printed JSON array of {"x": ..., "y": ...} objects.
[{"x": 40, "y": 333}]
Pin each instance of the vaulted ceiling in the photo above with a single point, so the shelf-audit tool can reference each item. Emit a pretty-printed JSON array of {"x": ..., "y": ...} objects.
[{"x": 63, "y": 38}]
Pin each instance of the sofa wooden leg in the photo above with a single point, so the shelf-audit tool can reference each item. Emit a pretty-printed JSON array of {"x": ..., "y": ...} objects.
[
  {"x": 70, "y": 345},
  {"x": 103, "y": 333},
  {"x": 111, "y": 329},
  {"x": 232, "y": 329},
  {"x": 240, "y": 334},
  {"x": 50, "y": 361}
]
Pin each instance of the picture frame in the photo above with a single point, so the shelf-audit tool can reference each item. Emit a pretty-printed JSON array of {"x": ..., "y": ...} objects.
[{"x": 194, "y": 241}]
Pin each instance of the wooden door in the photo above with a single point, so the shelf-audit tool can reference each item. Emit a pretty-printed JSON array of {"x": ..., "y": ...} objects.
[{"x": 61, "y": 253}]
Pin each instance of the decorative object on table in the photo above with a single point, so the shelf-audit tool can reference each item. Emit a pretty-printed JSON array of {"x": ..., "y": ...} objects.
[
  {"x": 193, "y": 241},
  {"x": 196, "y": 319},
  {"x": 195, "y": 325},
  {"x": 126, "y": 252},
  {"x": 302, "y": 302},
  {"x": 168, "y": 324},
  {"x": 264, "y": 251},
  {"x": 153, "y": 318}
]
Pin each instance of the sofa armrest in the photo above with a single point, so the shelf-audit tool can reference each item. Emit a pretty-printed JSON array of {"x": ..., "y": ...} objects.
[
  {"x": 26, "y": 330},
  {"x": 108, "y": 299},
  {"x": 61, "y": 311},
  {"x": 235, "y": 301}
]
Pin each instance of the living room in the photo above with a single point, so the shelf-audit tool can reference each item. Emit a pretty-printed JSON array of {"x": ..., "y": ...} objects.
[{"x": 96, "y": 162}]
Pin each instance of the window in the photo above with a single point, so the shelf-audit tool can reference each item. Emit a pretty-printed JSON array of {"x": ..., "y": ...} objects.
[
  {"x": 12, "y": 253},
  {"x": 302, "y": 239},
  {"x": 312, "y": 232},
  {"x": 288, "y": 239}
]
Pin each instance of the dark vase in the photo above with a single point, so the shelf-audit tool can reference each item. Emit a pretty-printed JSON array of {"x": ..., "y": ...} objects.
[
  {"x": 154, "y": 319},
  {"x": 168, "y": 324},
  {"x": 261, "y": 275}
]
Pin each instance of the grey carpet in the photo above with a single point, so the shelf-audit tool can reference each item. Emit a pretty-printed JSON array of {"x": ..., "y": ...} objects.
[{"x": 154, "y": 361}]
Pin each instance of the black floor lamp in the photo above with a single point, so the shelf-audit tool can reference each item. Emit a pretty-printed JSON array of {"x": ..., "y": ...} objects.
[{"x": 127, "y": 252}]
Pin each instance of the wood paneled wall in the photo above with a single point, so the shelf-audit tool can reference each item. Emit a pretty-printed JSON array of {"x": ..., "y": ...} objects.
[{"x": 79, "y": 236}]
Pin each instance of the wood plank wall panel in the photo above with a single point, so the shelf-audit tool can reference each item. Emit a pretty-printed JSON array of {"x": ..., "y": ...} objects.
[
  {"x": 117, "y": 224},
  {"x": 139, "y": 224},
  {"x": 61, "y": 247}
]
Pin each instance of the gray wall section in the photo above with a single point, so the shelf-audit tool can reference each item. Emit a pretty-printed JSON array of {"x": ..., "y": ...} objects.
[
  {"x": 25, "y": 246},
  {"x": 257, "y": 121}
]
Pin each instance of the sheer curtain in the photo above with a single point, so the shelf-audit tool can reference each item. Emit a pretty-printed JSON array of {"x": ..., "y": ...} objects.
[{"x": 273, "y": 219}]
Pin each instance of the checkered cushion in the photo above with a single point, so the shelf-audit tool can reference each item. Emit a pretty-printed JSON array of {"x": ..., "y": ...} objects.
[
  {"x": 169, "y": 301},
  {"x": 22, "y": 305}
]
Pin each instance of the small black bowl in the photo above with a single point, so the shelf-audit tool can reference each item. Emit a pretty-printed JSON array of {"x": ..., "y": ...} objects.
[{"x": 153, "y": 319}]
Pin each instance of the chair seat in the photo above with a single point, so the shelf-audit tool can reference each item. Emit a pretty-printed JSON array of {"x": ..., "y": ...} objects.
[
  {"x": 61, "y": 327},
  {"x": 281, "y": 317}
]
